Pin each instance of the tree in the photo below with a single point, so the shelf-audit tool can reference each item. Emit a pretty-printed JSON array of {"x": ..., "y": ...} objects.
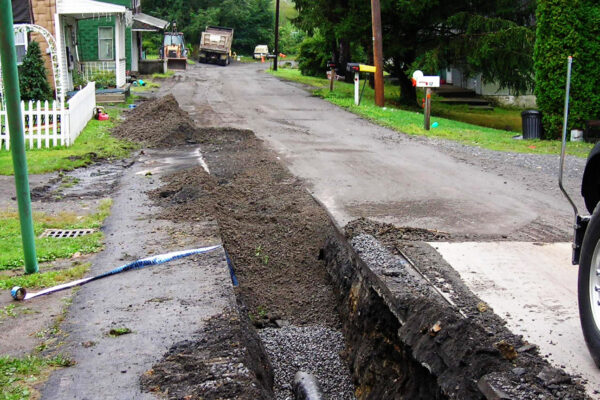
[
  {"x": 312, "y": 59},
  {"x": 32, "y": 76},
  {"x": 252, "y": 20},
  {"x": 567, "y": 28},
  {"x": 492, "y": 37},
  {"x": 344, "y": 24}
]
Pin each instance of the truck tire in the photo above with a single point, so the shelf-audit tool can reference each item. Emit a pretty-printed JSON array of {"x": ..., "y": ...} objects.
[{"x": 588, "y": 286}]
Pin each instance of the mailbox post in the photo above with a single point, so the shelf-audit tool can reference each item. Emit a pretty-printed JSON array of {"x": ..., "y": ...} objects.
[
  {"x": 357, "y": 69},
  {"x": 332, "y": 68},
  {"x": 428, "y": 82}
]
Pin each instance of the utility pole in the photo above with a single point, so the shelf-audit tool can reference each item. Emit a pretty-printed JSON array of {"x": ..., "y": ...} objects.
[
  {"x": 12, "y": 96},
  {"x": 377, "y": 52},
  {"x": 276, "y": 35}
]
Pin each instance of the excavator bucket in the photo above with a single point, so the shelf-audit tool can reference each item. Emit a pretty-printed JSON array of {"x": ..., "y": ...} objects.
[{"x": 177, "y": 63}]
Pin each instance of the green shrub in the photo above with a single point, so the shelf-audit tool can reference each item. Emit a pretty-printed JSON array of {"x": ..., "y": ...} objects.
[
  {"x": 567, "y": 28},
  {"x": 32, "y": 76},
  {"x": 78, "y": 80},
  {"x": 104, "y": 79},
  {"x": 313, "y": 56}
]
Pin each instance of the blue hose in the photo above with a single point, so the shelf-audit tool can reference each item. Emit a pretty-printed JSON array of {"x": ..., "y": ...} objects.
[{"x": 19, "y": 293}]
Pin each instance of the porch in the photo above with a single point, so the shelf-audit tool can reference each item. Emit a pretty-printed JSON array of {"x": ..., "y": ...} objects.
[{"x": 68, "y": 12}]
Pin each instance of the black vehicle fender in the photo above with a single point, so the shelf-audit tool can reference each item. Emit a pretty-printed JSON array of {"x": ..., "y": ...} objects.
[{"x": 590, "y": 184}]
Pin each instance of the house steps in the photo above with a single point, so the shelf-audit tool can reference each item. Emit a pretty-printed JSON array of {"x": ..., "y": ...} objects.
[{"x": 456, "y": 95}]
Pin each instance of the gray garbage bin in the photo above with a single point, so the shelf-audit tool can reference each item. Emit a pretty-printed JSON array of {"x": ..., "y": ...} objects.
[{"x": 532, "y": 124}]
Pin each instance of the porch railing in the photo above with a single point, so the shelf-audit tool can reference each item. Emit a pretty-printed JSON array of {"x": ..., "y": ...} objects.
[{"x": 90, "y": 68}]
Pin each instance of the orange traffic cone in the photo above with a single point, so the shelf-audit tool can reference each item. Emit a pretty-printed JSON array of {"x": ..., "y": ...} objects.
[{"x": 262, "y": 59}]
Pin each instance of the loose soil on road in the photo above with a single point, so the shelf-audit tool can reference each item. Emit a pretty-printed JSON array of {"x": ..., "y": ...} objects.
[
  {"x": 271, "y": 227},
  {"x": 274, "y": 231}
]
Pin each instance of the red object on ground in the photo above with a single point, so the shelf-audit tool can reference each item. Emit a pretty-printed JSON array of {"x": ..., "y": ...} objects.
[
  {"x": 282, "y": 55},
  {"x": 103, "y": 117}
]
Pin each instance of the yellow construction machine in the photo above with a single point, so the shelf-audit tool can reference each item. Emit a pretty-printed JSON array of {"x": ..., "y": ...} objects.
[{"x": 174, "y": 50}]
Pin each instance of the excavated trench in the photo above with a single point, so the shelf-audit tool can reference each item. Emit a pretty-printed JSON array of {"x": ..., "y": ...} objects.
[{"x": 347, "y": 307}]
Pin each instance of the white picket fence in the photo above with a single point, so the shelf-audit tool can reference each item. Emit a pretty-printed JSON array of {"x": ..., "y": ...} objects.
[
  {"x": 81, "y": 110},
  {"x": 49, "y": 124}
]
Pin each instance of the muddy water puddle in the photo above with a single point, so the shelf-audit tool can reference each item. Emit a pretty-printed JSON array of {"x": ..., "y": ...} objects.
[{"x": 96, "y": 181}]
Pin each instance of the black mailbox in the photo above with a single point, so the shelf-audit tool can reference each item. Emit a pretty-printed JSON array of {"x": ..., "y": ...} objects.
[{"x": 353, "y": 67}]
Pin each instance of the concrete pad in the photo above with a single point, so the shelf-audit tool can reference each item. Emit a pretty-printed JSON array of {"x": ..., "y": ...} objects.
[{"x": 534, "y": 287}]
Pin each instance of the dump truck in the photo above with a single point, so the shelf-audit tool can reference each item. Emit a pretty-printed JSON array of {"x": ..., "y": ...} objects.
[
  {"x": 215, "y": 45},
  {"x": 174, "y": 50}
]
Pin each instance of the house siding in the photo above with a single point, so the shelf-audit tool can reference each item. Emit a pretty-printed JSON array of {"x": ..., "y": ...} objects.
[
  {"x": 43, "y": 15},
  {"x": 88, "y": 35}
]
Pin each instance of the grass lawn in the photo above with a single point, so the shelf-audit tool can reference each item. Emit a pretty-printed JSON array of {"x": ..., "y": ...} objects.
[
  {"x": 94, "y": 142},
  {"x": 149, "y": 85},
  {"x": 17, "y": 375},
  {"x": 48, "y": 249},
  {"x": 166, "y": 75},
  {"x": 411, "y": 122},
  {"x": 44, "y": 279},
  {"x": 246, "y": 59}
]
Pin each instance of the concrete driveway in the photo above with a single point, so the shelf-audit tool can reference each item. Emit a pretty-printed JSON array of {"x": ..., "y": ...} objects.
[{"x": 358, "y": 169}]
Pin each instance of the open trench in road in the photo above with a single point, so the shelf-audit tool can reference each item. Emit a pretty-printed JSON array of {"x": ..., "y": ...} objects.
[{"x": 346, "y": 305}]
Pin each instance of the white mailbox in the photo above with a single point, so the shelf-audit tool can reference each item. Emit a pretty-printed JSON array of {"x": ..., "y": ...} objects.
[{"x": 419, "y": 80}]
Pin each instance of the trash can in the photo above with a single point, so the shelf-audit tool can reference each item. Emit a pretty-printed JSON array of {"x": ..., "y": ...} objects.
[{"x": 532, "y": 124}]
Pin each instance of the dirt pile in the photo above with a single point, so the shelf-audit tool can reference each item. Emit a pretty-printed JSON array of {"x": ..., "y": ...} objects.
[
  {"x": 226, "y": 360},
  {"x": 271, "y": 227},
  {"x": 158, "y": 123}
]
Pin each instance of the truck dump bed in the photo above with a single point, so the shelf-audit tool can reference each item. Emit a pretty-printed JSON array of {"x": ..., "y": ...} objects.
[{"x": 216, "y": 39}]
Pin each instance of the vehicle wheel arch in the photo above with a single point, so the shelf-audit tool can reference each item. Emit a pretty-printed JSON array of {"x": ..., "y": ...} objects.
[{"x": 590, "y": 184}]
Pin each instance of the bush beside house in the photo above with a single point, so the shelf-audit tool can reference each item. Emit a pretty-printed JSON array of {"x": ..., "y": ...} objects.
[
  {"x": 567, "y": 28},
  {"x": 32, "y": 76}
]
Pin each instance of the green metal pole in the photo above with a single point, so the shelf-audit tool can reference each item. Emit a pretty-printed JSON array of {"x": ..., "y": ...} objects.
[{"x": 12, "y": 96}]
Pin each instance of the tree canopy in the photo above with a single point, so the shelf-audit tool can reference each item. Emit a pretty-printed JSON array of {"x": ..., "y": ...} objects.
[
  {"x": 492, "y": 37},
  {"x": 252, "y": 20}
]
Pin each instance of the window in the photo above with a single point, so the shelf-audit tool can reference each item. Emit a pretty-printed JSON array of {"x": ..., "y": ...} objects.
[
  {"x": 105, "y": 43},
  {"x": 21, "y": 45}
]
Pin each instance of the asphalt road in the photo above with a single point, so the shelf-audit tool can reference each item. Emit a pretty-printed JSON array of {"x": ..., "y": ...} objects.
[{"x": 358, "y": 169}]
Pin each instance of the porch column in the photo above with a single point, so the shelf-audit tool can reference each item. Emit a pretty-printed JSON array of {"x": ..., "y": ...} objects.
[
  {"x": 120, "y": 50},
  {"x": 62, "y": 80}
]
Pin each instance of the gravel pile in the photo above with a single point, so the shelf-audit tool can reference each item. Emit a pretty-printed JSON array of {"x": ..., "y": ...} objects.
[{"x": 313, "y": 349}]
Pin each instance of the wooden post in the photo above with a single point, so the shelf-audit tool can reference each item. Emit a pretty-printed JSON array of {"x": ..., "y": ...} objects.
[
  {"x": 427, "y": 108},
  {"x": 377, "y": 52},
  {"x": 276, "y": 35},
  {"x": 332, "y": 78}
]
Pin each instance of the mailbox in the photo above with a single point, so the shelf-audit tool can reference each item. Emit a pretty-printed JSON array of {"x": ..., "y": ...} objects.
[
  {"x": 419, "y": 80},
  {"x": 367, "y": 68},
  {"x": 353, "y": 67}
]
